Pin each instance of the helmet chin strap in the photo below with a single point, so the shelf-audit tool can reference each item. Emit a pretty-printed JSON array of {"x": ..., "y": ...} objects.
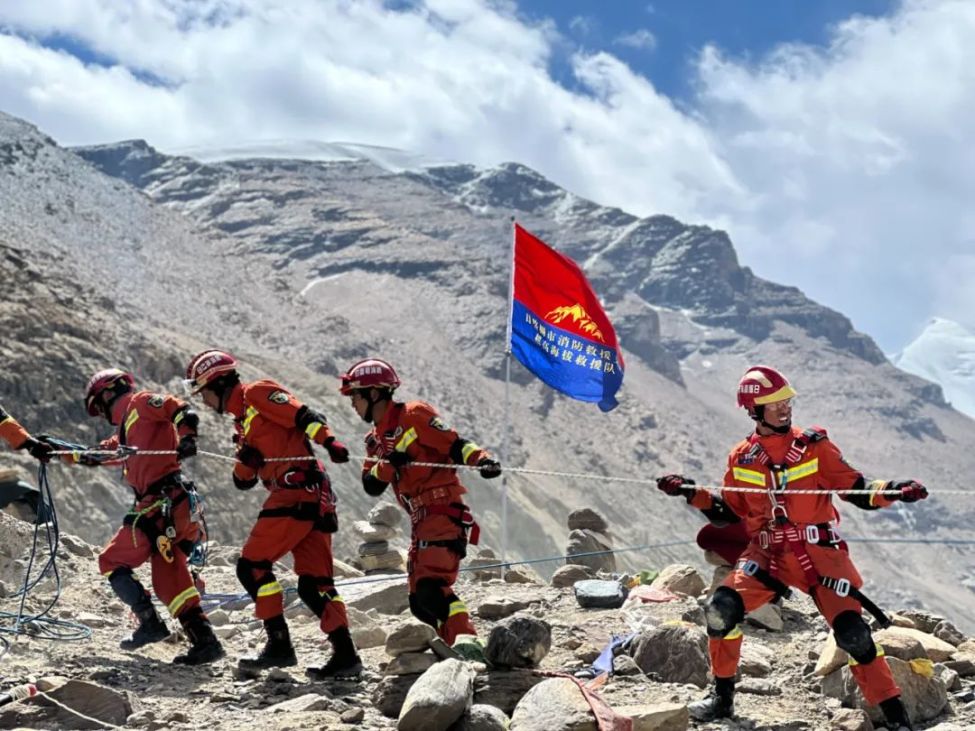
[
  {"x": 367, "y": 395},
  {"x": 759, "y": 415}
]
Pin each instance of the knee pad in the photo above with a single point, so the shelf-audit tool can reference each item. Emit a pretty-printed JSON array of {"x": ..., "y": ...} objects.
[
  {"x": 128, "y": 589},
  {"x": 852, "y": 635},
  {"x": 309, "y": 593},
  {"x": 420, "y": 613},
  {"x": 245, "y": 574},
  {"x": 431, "y": 599},
  {"x": 725, "y": 610}
]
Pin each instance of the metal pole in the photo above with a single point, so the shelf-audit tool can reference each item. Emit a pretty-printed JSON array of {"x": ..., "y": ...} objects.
[{"x": 506, "y": 433}]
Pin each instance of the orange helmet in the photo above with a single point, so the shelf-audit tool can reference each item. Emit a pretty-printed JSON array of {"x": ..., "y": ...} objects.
[
  {"x": 109, "y": 379},
  {"x": 369, "y": 373},
  {"x": 206, "y": 367},
  {"x": 763, "y": 385}
]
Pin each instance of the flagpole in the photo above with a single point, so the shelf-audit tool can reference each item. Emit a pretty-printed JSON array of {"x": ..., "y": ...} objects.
[{"x": 506, "y": 433}]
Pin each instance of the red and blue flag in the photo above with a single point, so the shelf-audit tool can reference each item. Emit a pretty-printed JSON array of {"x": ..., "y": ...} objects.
[{"x": 559, "y": 330}]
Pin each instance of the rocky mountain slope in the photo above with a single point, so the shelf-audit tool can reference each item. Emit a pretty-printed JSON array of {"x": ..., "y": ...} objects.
[
  {"x": 944, "y": 353},
  {"x": 301, "y": 267}
]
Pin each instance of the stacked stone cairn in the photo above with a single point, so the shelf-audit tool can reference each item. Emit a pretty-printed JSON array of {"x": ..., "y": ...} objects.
[
  {"x": 376, "y": 556},
  {"x": 589, "y": 532}
]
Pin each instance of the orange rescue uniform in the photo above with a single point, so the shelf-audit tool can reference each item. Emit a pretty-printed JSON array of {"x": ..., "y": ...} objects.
[
  {"x": 150, "y": 421},
  {"x": 11, "y": 431},
  {"x": 802, "y": 545},
  {"x": 298, "y": 515},
  {"x": 433, "y": 498}
]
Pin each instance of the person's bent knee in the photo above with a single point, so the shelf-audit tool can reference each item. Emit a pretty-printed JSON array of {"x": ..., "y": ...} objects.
[
  {"x": 725, "y": 610},
  {"x": 853, "y": 636}
]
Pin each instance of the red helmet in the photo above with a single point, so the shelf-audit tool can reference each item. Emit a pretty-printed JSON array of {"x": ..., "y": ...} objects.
[
  {"x": 369, "y": 373},
  {"x": 102, "y": 381},
  {"x": 206, "y": 367},
  {"x": 763, "y": 385}
]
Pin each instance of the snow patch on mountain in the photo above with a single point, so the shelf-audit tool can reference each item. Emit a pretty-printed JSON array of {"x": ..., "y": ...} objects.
[{"x": 944, "y": 353}]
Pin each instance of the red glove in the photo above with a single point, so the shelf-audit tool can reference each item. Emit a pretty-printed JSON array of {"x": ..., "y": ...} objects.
[
  {"x": 911, "y": 490},
  {"x": 337, "y": 452},
  {"x": 673, "y": 484}
]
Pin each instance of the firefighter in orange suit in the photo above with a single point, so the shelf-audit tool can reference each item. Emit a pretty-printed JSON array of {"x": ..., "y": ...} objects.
[
  {"x": 298, "y": 515},
  {"x": 433, "y": 497},
  {"x": 165, "y": 522},
  {"x": 793, "y": 541},
  {"x": 18, "y": 438}
]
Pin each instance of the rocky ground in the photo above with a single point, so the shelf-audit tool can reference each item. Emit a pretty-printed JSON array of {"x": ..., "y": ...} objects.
[{"x": 792, "y": 675}]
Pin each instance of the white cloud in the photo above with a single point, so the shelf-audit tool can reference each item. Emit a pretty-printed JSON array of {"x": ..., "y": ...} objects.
[
  {"x": 640, "y": 38},
  {"x": 846, "y": 171},
  {"x": 582, "y": 25}
]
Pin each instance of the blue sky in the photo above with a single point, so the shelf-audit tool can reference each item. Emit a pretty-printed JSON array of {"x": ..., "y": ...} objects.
[
  {"x": 829, "y": 138},
  {"x": 661, "y": 39}
]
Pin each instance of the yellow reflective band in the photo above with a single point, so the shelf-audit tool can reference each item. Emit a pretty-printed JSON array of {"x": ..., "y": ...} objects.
[
  {"x": 248, "y": 418},
  {"x": 375, "y": 471},
  {"x": 468, "y": 449},
  {"x": 5, "y": 419},
  {"x": 269, "y": 589},
  {"x": 312, "y": 429},
  {"x": 802, "y": 470},
  {"x": 457, "y": 607},
  {"x": 179, "y": 417},
  {"x": 176, "y": 604},
  {"x": 76, "y": 456},
  {"x": 880, "y": 653},
  {"x": 338, "y": 599},
  {"x": 782, "y": 394},
  {"x": 752, "y": 477},
  {"x": 734, "y": 634},
  {"x": 131, "y": 419},
  {"x": 408, "y": 438},
  {"x": 876, "y": 486}
]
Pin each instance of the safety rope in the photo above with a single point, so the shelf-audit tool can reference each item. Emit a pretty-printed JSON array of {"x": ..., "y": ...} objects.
[
  {"x": 129, "y": 453},
  {"x": 79, "y": 714}
]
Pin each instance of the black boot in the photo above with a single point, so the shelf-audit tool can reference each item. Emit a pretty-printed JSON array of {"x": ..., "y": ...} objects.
[
  {"x": 896, "y": 714},
  {"x": 719, "y": 704},
  {"x": 278, "y": 651},
  {"x": 151, "y": 629},
  {"x": 344, "y": 662},
  {"x": 205, "y": 646}
]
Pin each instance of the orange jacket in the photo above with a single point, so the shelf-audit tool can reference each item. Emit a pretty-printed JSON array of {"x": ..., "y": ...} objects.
[
  {"x": 11, "y": 431},
  {"x": 821, "y": 467},
  {"x": 148, "y": 421},
  {"x": 270, "y": 419},
  {"x": 415, "y": 427}
]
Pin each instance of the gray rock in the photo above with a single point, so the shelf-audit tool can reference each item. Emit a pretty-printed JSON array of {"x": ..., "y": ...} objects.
[
  {"x": 481, "y": 717},
  {"x": 925, "y": 698},
  {"x": 391, "y": 598},
  {"x": 555, "y": 704},
  {"x": 518, "y": 642},
  {"x": 303, "y": 703},
  {"x": 850, "y": 719},
  {"x": 571, "y": 573},
  {"x": 410, "y": 636},
  {"x": 384, "y": 513},
  {"x": 388, "y": 561},
  {"x": 768, "y": 616},
  {"x": 375, "y": 548},
  {"x": 674, "y": 653},
  {"x": 597, "y": 594},
  {"x": 411, "y": 663},
  {"x": 438, "y": 698},
  {"x": 369, "y": 533},
  {"x": 504, "y": 688},
  {"x": 656, "y": 716},
  {"x": 584, "y": 541},
  {"x": 949, "y": 633},
  {"x": 587, "y": 518},
  {"x": 91, "y": 699},
  {"x": 679, "y": 579},
  {"x": 498, "y": 607},
  {"x": 390, "y": 692}
]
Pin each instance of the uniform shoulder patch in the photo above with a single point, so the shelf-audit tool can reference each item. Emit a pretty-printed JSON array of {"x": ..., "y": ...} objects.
[
  {"x": 156, "y": 401},
  {"x": 437, "y": 423},
  {"x": 278, "y": 397}
]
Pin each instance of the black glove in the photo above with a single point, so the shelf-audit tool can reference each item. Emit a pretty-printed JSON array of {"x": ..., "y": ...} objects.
[
  {"x": 242, "y": 484},
  {"x": 911, "y": 490},
  {"x": 672, "y": 484},
  {"x": 186, "y": 447},
  {"x": 39, "y": 450},
  {"x": 398, "y": 459},
  {"x": 337, "y": 452},
  {"x": 373, "y": 485},
  {"x": 490, "y": 468},
  {"x": 250, "y": 457}
]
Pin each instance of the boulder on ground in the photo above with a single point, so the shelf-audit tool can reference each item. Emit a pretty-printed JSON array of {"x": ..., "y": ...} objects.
[
  {"x": 674, "y": 653},
  {"x": 518, "y": 642},
  {"x": 438, "y": 698},
  {"x": 587, "y": 518},
  {"x": 555, "y": 704}
]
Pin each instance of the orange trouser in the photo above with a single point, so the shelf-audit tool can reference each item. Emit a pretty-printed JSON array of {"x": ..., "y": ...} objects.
[
  {"x": 874, "y": 678},
  {"x": 432, "y": 573},
  {"x": 273, "y": 537},
  {"x": 130, "y": 547}
]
